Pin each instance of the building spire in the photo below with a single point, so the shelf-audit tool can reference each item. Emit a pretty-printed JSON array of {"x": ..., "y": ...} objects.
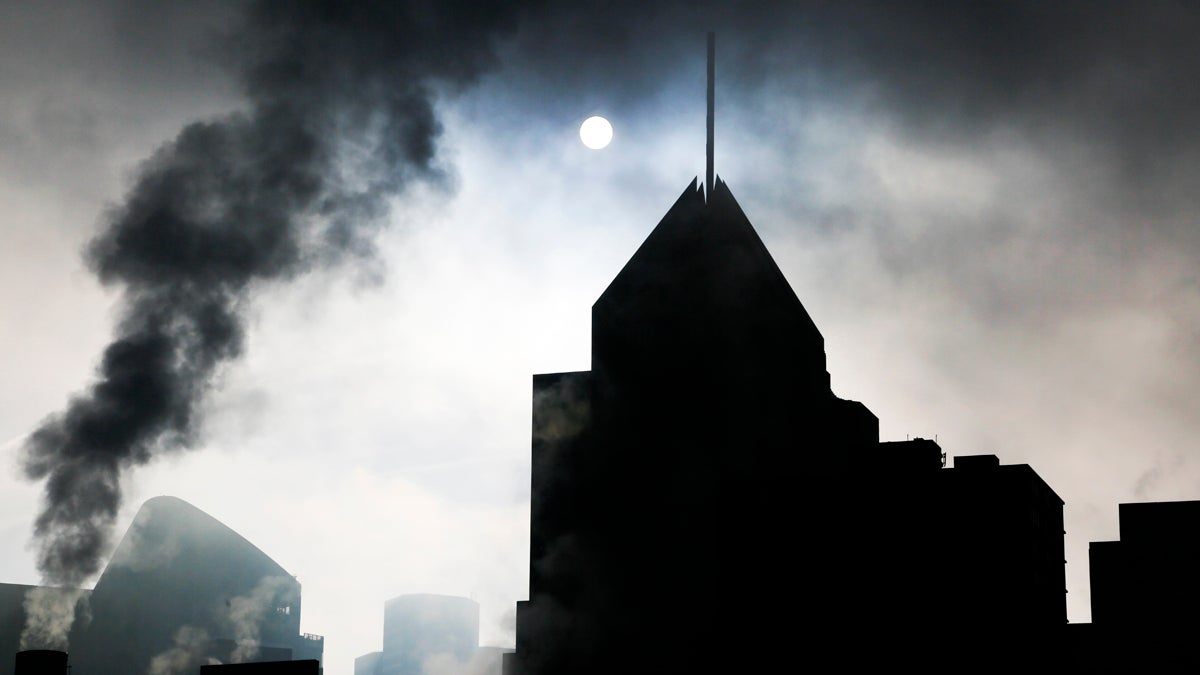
[{"x": 708, "y": 148}]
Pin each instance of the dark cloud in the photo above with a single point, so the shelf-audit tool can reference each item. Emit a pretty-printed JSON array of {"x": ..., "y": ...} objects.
[
  {"x": 1103, "y": 71},
  {"x": 1091, "y": 93}
]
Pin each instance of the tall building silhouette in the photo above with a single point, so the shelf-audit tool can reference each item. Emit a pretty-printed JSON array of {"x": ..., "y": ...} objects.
[
  {"x": 680, "y": 486},
  {"x": 702, "y": 499}
]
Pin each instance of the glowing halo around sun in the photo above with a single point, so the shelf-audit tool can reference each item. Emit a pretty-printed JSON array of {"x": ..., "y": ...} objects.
[{"x": 595, "y": 132}]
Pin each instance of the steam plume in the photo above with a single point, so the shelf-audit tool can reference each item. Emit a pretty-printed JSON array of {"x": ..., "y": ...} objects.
[
  {"x": 186, "y": 654},
  {"x": 50, "y": 612},
  {"x": 246, "y": 614},
  {"x": 339, "y": 117}
]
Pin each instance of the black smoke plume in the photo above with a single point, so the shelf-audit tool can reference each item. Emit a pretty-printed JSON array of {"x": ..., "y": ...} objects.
[{"x": 339, "y": 117}]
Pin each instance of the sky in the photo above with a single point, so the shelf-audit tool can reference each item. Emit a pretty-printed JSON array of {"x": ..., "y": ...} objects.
[{"x": 989, "y": 210}]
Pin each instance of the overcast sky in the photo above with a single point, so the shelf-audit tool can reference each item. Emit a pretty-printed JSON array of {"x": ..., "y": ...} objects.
[{"x": 990, "y": 211}]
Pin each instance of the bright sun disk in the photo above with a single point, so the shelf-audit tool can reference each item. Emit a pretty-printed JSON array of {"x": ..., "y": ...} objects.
[{"x": 595, "y": 132}]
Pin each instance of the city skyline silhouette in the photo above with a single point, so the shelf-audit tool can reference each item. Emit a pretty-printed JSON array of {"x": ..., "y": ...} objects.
[{"x": 985, "y": 210}]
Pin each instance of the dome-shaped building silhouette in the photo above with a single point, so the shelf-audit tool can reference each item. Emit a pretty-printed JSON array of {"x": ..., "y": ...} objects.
[{"x": 180, "y": 587}]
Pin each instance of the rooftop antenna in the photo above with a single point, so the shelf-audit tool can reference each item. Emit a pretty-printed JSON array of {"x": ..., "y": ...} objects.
[{"x": 708, "y": 148}]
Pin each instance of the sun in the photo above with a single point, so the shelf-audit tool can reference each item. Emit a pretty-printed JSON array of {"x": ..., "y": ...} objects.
[{"x": 595, "y": 132}]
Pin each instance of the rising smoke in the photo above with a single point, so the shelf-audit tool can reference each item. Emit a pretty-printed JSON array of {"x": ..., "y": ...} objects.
[{"x": 339, "y": 118}]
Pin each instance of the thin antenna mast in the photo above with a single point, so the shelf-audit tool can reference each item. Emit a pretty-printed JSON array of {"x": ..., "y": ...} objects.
[{"x": 708, "y": 148}]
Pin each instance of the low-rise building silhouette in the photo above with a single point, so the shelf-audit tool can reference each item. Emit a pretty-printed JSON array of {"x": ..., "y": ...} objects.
[
  {"x": 1002, "y": 543},
  {"x": 1145, "y": 591},
  {"x": 41, "y": 662},
  {"x": 1151, "y": 576},
  {"x": 302, "y": 667}
]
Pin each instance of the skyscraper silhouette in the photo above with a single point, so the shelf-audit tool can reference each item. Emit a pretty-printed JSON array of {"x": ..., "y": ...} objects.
[{"x": 684, "y": 490}]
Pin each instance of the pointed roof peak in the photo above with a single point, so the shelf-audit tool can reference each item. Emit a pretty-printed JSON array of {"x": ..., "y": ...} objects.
[{"x": 704, "y": 247}]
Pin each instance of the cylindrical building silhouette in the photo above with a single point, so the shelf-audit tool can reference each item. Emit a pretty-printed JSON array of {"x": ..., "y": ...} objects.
[{"x": 423, "y": 626}]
